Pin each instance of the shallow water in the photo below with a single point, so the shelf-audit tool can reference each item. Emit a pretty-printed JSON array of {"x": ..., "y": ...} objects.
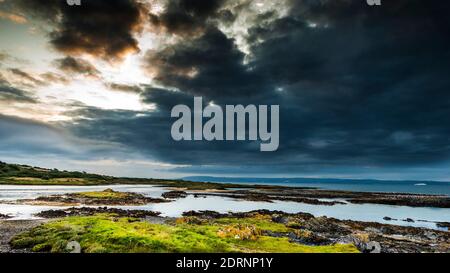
[{"x": 361, "y": 212}]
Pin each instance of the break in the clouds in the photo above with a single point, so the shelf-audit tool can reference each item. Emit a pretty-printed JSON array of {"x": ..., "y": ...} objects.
[{"x": 363, "y": 90}]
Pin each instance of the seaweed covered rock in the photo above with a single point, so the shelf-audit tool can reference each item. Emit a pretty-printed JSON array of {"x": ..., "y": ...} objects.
[
  {"x": 107, "y": 197},
  {"x": 174, "y": 194},
  {"x": 92, "y": 211},
  {"x": 4, "y": 216}
]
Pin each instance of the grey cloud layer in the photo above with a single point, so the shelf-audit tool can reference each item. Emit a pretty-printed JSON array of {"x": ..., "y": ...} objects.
[
  {"x": 104, "y": 29},
  {"x": 9, "y": 93},
  {"x": 357, "y": 86}
]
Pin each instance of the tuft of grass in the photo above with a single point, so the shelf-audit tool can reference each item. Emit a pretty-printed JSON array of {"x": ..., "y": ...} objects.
[
  {"x": 107, "y": 233},
  {"x": 106, "y": 194}
]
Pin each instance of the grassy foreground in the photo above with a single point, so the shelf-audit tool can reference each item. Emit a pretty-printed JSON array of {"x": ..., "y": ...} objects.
[{"x": 108, "y": 233}]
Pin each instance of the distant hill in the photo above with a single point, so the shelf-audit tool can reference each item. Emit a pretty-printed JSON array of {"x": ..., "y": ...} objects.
[{"x": 15, "y": 170}]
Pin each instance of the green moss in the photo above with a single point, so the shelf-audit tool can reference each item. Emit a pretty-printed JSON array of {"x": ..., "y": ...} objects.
[
  {"x": 262, "y": 222},
  {"x": 106, "y": 233},
  {"x": 282, "y": 245},
  {"x": 106, "y": 194}
]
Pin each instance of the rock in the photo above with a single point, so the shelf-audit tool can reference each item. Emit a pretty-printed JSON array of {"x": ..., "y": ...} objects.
[
  {"x": 373, "y": 247},
  {"x": 369, "y": 237},
  {"x": 313, "y": 239},
  {"x": 204, "y": 214},
  {"x": 372, "y": 230},
  {"x": 174, "y": 194},
  {"x": 409, "y": 220},
  {"x": 443, "y": 225},
  {"x": 85, "y": 211},
  {"x": 430, "y": 235},
  {"x": 73, "y": 247},
  {"x": 116, "y": 199},
  {"x": 3, "y": 216},
  {"x": 280, "y": 219},
  {"x": 49, "y": 214},
  {"x": 387, "y": 218}
]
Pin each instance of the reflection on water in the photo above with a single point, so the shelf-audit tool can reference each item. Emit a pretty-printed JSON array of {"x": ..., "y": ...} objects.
[{"x": 361, "y": 212}]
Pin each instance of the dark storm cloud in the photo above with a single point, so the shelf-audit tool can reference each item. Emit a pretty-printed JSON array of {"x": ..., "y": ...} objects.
[
  {"x": 361, "y": 85},
  {"x": 101, "y": 28},
  {"x": 148, "y": 133},
  {"x": 358, "y": 86},
  {"x": 209, "y": 65},
  {"x": 186, "y": 17},
  {"x": 71, "y": 65}
]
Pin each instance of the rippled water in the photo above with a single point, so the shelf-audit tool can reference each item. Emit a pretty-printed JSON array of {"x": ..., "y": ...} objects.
[{"x": 361, "y": 212}]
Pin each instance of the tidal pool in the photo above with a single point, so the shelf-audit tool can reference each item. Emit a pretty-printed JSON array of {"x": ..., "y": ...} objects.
[{"x": 359, "y": 212}]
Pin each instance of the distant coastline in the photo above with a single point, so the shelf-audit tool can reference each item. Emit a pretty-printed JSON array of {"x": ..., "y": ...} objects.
[{"x": 365, "y": 185}]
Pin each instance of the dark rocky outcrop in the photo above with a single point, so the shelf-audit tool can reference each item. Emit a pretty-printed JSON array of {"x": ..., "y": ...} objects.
[
  {"x": 85, "y": 211},
  {"x": 106, "y": 198},
  {"x": 443, "y": 225},
  {"x": 264, "y": 197},
  {"x": 369, "y": 237},
  {"x": 4, "y": 216},
  {"x": 174, "y": 194}
]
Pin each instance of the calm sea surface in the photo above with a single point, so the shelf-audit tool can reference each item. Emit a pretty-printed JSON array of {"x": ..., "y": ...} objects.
[{"x": 426, "y": 187}]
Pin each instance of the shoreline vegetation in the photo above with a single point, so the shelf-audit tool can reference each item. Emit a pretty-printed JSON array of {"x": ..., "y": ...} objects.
[
  {"x": 104, "y": 229},
  {"x": 111, "y": 233},
  {"x": 100, "y": 230}
]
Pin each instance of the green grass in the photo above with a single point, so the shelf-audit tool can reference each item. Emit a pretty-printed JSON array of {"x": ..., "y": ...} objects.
[
  {"x": 106, "y": 233},
  {"x": 106, "y": 194},
  {"x": 50, "y": 182}
]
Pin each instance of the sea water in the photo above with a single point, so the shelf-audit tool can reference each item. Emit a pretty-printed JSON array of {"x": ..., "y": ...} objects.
[{"x": 359, "y": 212}]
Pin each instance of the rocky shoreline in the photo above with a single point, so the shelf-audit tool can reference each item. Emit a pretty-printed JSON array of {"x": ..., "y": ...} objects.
[
  {"x": 9, "y": 229},
  {"x": 301, "y": 228},
  {"x": 107, "y": 197},
  {"x": 319, "y": 197},
  {"x": 86, "y": 211},
  {"x": 367, "y": 236},
  {"x": 4, "y": 216}
]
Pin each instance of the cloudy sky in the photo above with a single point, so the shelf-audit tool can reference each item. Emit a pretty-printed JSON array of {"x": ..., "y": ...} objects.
[{"x": 364, "y": 92}]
